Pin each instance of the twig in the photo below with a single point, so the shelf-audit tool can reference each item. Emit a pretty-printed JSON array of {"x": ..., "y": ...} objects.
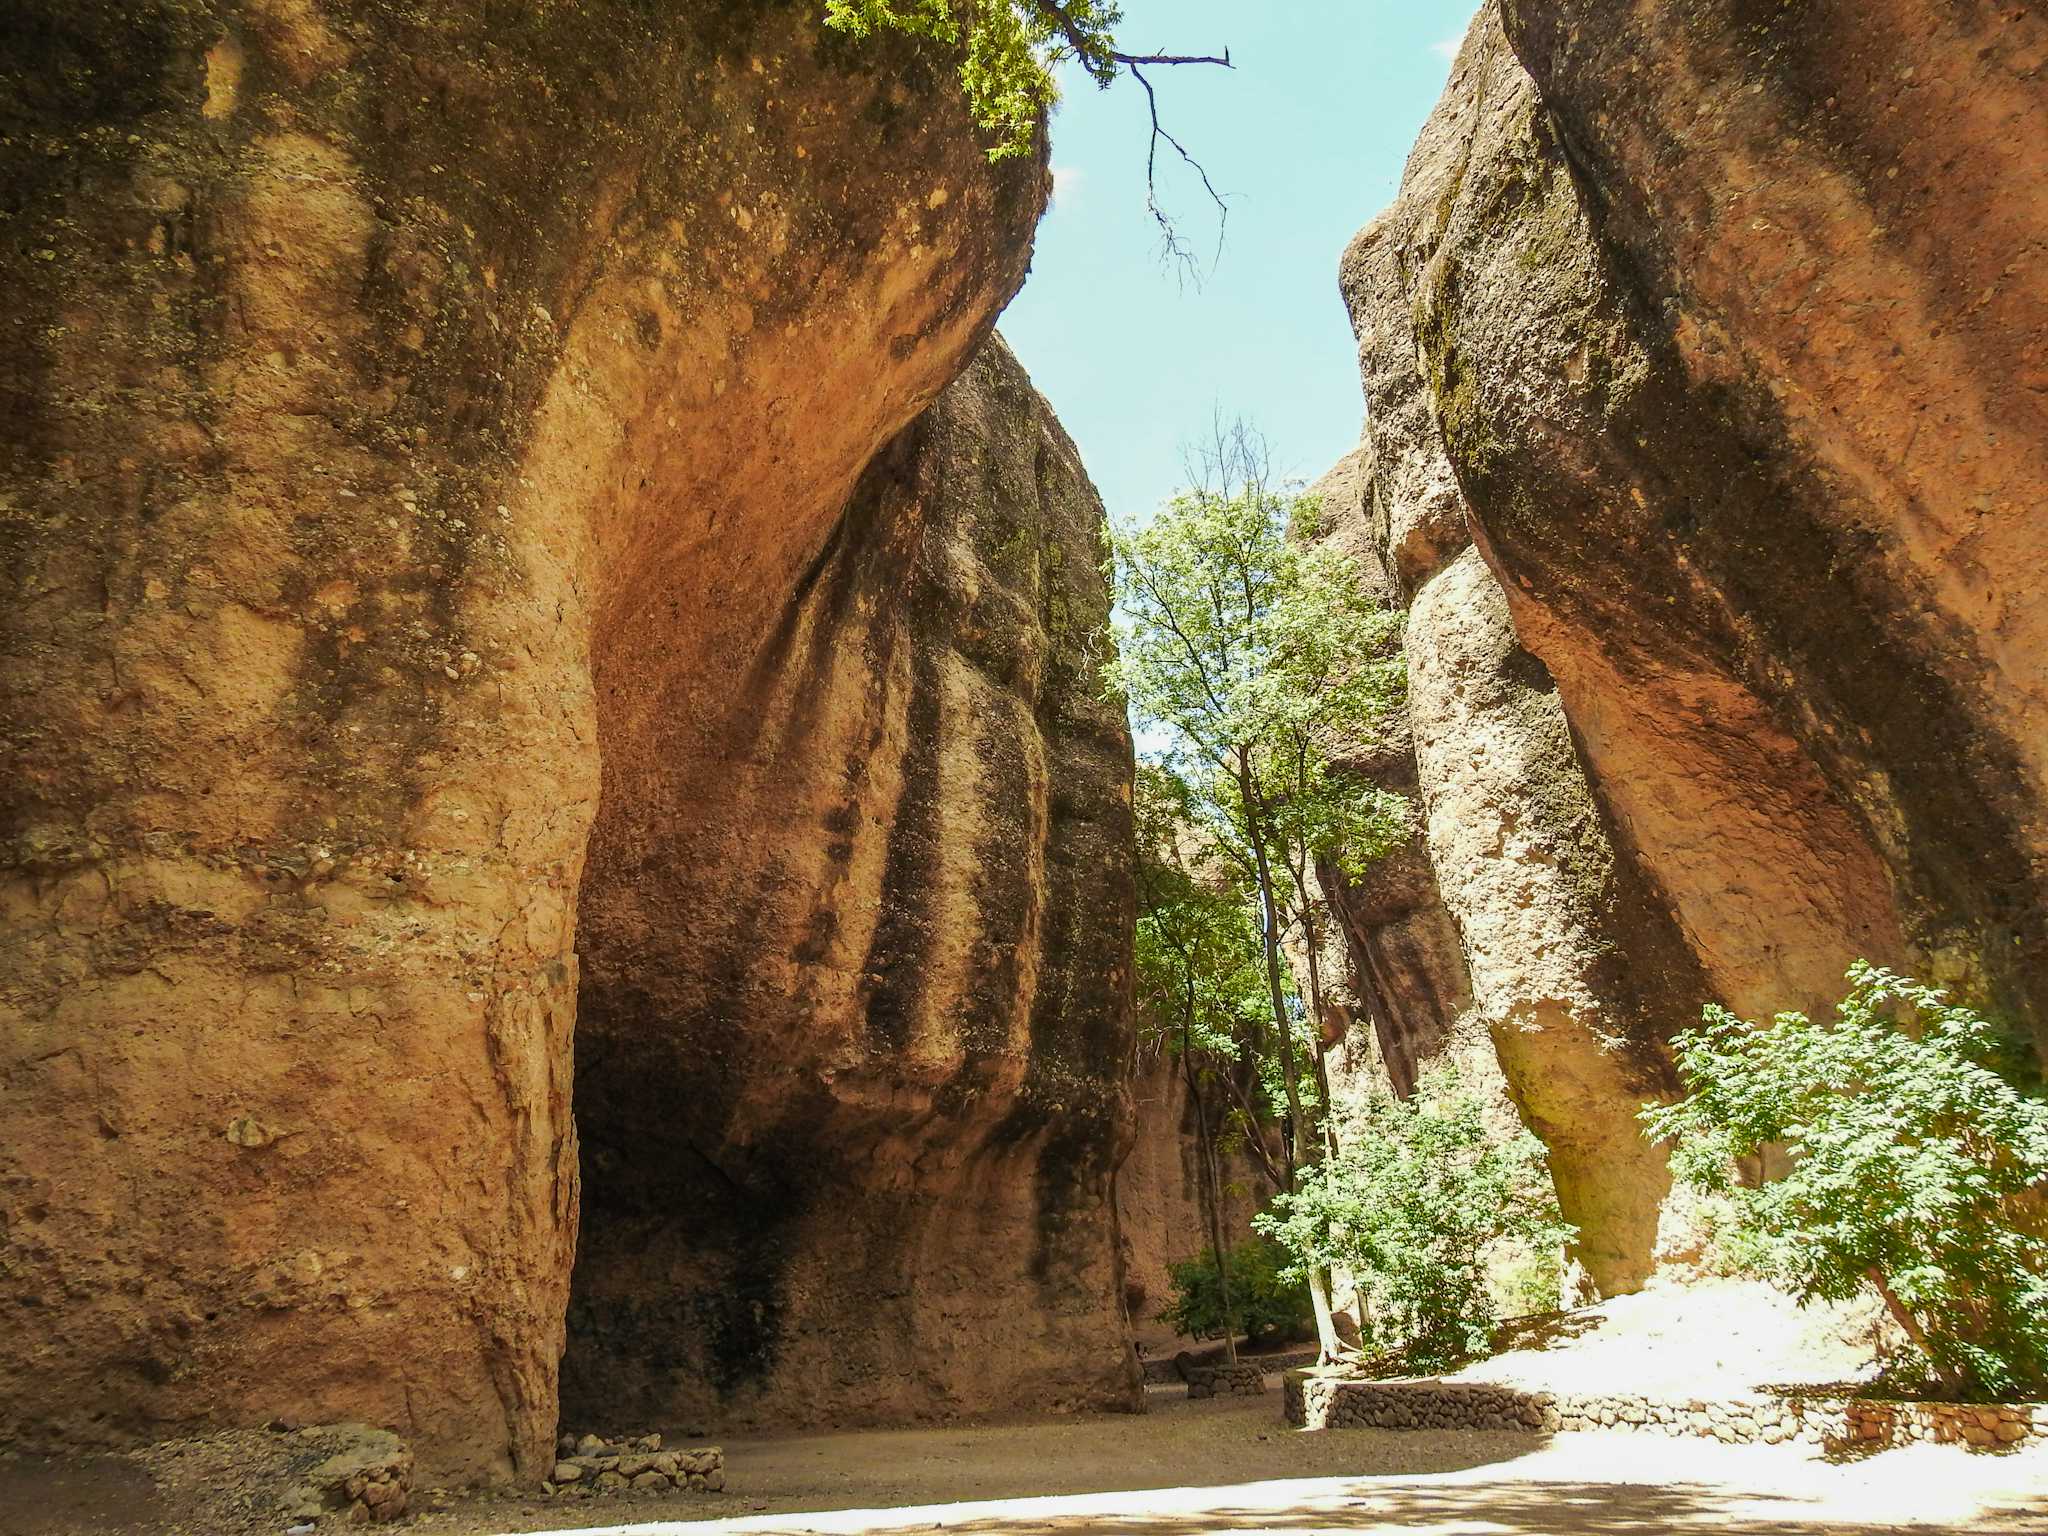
[{"x": 1102, "y": 63}]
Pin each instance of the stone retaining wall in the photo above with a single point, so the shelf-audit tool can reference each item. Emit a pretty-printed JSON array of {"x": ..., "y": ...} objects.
[
  {"x": 1246, "y": 1379},
  {"x": 1165, "y": 1370},
  {"x": 1835, "y": 1423},
  {"x": 641, "y": 1466}
]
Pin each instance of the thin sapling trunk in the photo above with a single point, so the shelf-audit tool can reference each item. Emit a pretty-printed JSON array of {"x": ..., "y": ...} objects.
[{"x": 1206, "y": 1177}]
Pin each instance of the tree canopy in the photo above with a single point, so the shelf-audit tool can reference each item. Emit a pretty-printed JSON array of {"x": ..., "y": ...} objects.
[
  {"x": 1249, "y": 656},
  {"x": 1250, "y": 659},
  {"x": 1197, "y": 949},
  {"x": 1418, "y": 1199}
]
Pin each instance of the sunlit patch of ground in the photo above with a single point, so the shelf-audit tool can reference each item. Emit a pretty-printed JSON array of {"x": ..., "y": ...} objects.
[
  {"x": 1704, "y": 1338},
  {"x": 1225, "y": 1465},
  {"x": 1229, "y": 1466}
]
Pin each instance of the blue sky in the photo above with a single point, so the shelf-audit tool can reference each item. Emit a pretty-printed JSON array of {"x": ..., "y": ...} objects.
[{"x": 1306, "y": 138}]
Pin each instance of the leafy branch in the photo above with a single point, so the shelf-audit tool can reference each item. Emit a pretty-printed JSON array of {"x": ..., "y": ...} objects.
[{"x": 1012, "y": 49}]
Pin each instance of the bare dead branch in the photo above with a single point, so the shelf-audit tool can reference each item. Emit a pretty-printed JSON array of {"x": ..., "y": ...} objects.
[
  {"x": 1222, "y": 59},
  {"x": 1101, "y": 63}
]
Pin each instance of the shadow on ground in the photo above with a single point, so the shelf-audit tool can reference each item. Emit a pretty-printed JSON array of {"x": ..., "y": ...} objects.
[
  {"x": 1487, "y": 1508},
  {"x": 1543, "y": 1330},
  {"x": 49, "y": 1494}
]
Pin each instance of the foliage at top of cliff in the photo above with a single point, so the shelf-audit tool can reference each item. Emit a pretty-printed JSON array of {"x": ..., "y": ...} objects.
[
  {"x": 1915, "y": 1169},
  {"x": 1012, "y": 48}
]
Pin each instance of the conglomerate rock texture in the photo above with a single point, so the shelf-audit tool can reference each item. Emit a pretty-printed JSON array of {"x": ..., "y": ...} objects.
[
  {"x": 852, "y": 1062},
  {"x": 1706, "y": 354},
  {"x": 416, "y": 421}
]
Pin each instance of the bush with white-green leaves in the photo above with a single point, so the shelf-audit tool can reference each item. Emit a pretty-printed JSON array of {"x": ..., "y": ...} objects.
[
  {"x": 1914, "y": 1167},
  {"x": 1419, "y": 1203}
]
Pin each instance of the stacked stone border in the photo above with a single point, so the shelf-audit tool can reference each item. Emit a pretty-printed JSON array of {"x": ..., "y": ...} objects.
[
  {"x": 1244, "y": 1380},
  {"x": 1834, "y": 1423},
  {"x": 1169, "y": 1370},
  {"x": 593, "y": 1465}
]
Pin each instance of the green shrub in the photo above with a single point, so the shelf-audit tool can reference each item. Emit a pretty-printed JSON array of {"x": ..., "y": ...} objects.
[
  {"x": 1265, "y": 1303},
  {"x": 1418, "y": 1204},
  {"x": 1529, "y": 1281},
  {"x": 1914, "y": 1169}
]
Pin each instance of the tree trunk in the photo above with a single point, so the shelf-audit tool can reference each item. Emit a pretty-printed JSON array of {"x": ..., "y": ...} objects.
[
  {"x": 1255, "y": 1142},
  {"x": 1319, "y": 1280},
  {"x": 1951, "y": 1379},
  {"x": 1310, "y": 940},
  {"x": 1304, "y": 1146},
  {"x": 1327, "y": 1342},
  {"x": 1297, "y": 1119},
  {"x": 1212, "y": 1203}
]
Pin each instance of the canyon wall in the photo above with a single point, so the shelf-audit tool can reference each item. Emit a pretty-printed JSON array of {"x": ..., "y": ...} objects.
[
  {"x": 1706, "y": 361},
  {"x": 1159, "y": 1194},
  {"x": 419, "y": 428},
  {"x": 855, "y": 1032}
]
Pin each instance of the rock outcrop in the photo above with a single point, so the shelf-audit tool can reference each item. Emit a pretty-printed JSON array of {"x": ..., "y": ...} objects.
[
  {"x": 1706, "y": 415},
  {"x": 413, "y": 422},
  {"x": 855, "y": 1033}
]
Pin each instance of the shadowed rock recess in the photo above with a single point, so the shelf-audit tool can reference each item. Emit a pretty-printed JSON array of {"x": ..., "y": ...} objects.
[
  {"x": 420, "y": 425},
  {"x": 855, "y": 1030},
  {"x": 1160, "y": 1215},
  {"x": 1706, "y": 358}
]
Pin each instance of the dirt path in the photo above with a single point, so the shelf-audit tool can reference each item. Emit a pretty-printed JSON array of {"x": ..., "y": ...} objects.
[
  {"x": 1231, "y": 1466},
  {"x": 1186, "y": 1468}
]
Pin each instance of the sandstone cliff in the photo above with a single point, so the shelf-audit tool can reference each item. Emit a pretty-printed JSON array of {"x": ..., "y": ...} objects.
[
  {"x": 1159, "y": 1195},
  {"x": 418, "y": 424},
  {"x": 855, "y": 1033},
  {"x": 1704, "y": 353}
]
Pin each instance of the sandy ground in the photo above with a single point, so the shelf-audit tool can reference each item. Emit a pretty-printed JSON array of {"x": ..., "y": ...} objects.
[
  {"x": 1230, "y": 1465},
  {"x": 1706, "y": 1338},
  {"x": 1219, "y": 1465},
  {"x": 1222, "y": 1465}
]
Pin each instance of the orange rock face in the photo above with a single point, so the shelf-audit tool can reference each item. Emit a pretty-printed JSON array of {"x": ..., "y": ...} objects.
[
  {"x": 1159, "y": 1196},
  {"x": 1815, "y": 352},
  {"x": 417, "y": 425},
  {"x": 1710, "y": 334},
  {"x": 855, "y": 1029}
]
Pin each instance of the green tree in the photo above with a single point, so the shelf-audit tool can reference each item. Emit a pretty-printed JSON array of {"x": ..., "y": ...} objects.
[
  {"x": 1417, "y": 1202},
  {"x": 1264, "y": 1299},
  {"x": 1198, "y": 985},
  {"x": 1914, "y": 1169},
  {"x": 1245, "y": 654}
]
